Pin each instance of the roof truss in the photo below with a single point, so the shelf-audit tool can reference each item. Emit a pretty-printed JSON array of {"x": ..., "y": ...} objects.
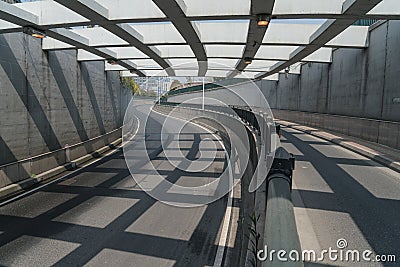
[{"x": 218, "y": 36}]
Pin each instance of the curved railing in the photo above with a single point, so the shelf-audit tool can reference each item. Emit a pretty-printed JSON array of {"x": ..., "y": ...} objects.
[{"x": 280, "y": 232}]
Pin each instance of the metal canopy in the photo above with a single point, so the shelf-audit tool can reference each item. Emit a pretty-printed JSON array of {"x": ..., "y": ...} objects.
[{"x": 200, "y": 38}]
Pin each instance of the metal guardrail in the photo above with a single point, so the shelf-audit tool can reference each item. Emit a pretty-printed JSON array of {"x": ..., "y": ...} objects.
[
  {"x": 207, "y": 86},
  {"x": 280, "y": 232},
  {"x": 246, "y": 114}
]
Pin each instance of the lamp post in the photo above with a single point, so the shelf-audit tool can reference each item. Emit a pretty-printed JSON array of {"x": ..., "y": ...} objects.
[{"x": 203, "y": 93}]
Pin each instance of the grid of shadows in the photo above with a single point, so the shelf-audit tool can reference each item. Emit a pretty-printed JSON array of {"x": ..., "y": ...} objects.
[
  {"x": 199, "y": 250},
  {"x": 29, "y": 98},
  {"x": 376, "y": 218},
  {"x": 7, "y": 156},
  {"x": 65, "y": 91},
  {"x": 342, "y": 161},
  {"x": 113, "y": 100},
  {"x": 92, "y": 97}
]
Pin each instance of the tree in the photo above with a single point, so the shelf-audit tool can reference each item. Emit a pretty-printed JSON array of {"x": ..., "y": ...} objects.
[
  {"x": 129, "y": 83},
  {"x": 174, "y": 85}
]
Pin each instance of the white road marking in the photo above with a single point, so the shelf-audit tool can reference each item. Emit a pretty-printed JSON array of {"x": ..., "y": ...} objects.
[
  {"x": 227, "y": 217},
  {"x": 222, "y": 243}
]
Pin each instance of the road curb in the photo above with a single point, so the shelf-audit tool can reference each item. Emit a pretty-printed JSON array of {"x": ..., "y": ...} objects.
[
  {"x": 48, "y": 175},
  {"x": 357, "y": 148}
]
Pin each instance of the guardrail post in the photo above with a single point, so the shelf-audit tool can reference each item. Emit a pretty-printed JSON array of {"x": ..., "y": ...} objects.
[
  {"x": 67, "y": 154},
  {"x": 280, "y": 232}
]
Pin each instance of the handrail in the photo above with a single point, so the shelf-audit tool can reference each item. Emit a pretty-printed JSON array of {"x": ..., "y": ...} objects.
[
  {"x": 207, "y": 86},
  {"x": 46, "y": 154},
  {"x": 280, "y": 232}
]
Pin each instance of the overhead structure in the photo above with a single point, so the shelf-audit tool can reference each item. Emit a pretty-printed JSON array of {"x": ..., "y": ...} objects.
[
  {"x": 175, "y": 11},
  {"x": 325, "y": 33},
  {"x": 262, "y": 12},
  {"x": 257, "y": 39},
  {"x": 98, "y": 15}
]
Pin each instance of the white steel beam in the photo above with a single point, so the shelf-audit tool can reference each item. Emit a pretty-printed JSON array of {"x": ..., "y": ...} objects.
[
  {"x": 322, "y": 55},
  {"x": 301, "y": 7},
  {"x": 352, "y": 37},
  {"x": 18, "y": 16},
  {"x": 53, "y": 15},
  {"x": 54, "y": 44},
  {"x": 95, "y": 12},
  {"x": 255, "y": 34},
  {"x": 126, "y": 73},
  {"x": 273, "y": 77},
  {"x": 175, "y": 11},
  {"x": 84, "y": 55},
  {"x": 329, "y": 30}
]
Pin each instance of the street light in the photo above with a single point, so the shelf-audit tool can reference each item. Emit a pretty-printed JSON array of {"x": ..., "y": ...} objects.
[
  {"x": 111, "y": 62},
  {"x": 263, "y": 20},
  {"x": 287, "y": 70},
  {"x": 34, "y": 32},
  {"x": 248, "y": 60}
]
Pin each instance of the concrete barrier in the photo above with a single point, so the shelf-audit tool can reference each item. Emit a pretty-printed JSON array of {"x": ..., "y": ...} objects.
[
  {"x": 247, "y": 203},
  {"x": 378, "y": 131},
  {"x": 55, "y": 161},
  {"x": 279, "y": 205}
]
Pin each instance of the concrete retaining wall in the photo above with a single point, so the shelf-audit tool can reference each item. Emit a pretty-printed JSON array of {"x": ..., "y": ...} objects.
[
  {"x": 358, "y": 94},
  {"x": 378, "y": 131},
  {"x": 49, "y": 100},
  {"x": 21, "y": 170},
  {"x": 359, "y": 82},
  {"x": 239, "y": 95}
]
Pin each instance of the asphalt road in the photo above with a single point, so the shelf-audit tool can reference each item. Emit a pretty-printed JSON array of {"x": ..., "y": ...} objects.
[
  {"x": 100, "y": 216},
  {"x": 339, "y": 194}
]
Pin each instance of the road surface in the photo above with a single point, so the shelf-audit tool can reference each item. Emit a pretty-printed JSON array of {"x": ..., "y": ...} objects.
[
  {"x": 100, "y": 216},
  {"x": 339, "y": 194}
]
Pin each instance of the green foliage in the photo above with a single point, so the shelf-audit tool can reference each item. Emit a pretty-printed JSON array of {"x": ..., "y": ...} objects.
[
  {"x": 129, "y": 83},
  {"x": 175, "y": 84}
]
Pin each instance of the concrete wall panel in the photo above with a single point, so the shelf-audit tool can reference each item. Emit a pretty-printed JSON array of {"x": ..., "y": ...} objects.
[
  {"x": 358, "y": 83},
  {"x": 391, "y": 96},
  {"x": 378, "y": 131},
  {"x": 314, "y": 82},
  {"x": 48, "y": 100},
  {"x": 346, "y": 81},
  {"x": 361, "y": 85},
  {"x": 376, "y": 66}
]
